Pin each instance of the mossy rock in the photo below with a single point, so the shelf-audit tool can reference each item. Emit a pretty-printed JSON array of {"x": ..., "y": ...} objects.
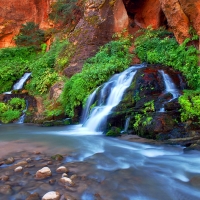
[{"x": 114, "y": 132}]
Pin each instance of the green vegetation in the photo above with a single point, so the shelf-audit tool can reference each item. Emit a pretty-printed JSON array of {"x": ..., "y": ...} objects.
[
  {"x": 114, "y": 132},
  {"x": 63, "y": 11},
  {"x": 112, "y": 58},
  {"x": 143, "y": 119},
  {"x": 11, "y": 110},
  {"x": 190, "y": 105},
  {"x": 14, "y": 63},
  {"x": 43, "y": 70},
  {"x": 30, "y": 35},
  {"x": 159, "y": 47}
]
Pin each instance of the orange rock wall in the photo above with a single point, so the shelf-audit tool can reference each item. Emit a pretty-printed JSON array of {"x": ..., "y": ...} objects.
[{"x": 14, "y": 13}]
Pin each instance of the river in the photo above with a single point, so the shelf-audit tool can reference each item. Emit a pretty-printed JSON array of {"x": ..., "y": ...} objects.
[{"x": 118, "y": 170}]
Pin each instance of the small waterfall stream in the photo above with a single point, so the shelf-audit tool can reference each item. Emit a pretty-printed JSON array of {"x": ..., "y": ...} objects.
[
  {"x": 170, "y": 87},
  {"x": 19, "y": 85},
  {"x": 110, "y": 96}
]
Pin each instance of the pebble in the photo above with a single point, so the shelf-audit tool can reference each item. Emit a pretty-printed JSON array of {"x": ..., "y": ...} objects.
[
  {"x": 51, "y": 196},
  {"x": 21, "y": 163},
  {"x": 66, "y": 181},
  {"x": 43, "y": 173},
  {"x": 62, "y": 169},
  {"x": 9, "y": 161},
  {"x": 4, "y": 178},
  {"x": 5, "y": 189},
  {"x": 28, "y": 160},
  {"x": 64, "y": 175},
  {"x": 34, "y": 196},
  {"x": 18, "y": 169}
]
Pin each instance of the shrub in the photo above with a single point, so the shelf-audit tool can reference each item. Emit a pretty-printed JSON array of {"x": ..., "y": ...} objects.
[
  {"x": 14, "y": 63},
  {"x": 30, "y": 35},
  {"x": 158, "y": 47},
  {"x": 190, "y": 105}
]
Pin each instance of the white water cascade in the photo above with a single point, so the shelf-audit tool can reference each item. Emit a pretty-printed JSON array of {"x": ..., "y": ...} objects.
[
  {"x": 110, "y": 96},
  {"x": 170, "y": 87},
  {"x": 22, "y": 118},
  {"x": 19, "y": 85}
]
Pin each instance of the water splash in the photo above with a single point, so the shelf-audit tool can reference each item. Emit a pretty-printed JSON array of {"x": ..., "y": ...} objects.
[{"x": 19, "y": 85}]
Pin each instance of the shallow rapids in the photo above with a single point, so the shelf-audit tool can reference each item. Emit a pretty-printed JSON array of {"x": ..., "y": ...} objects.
[{"x": 114, "y": 169}]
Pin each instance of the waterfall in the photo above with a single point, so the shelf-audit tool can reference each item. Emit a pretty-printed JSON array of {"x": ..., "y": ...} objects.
[
  {"x": 170, "y": 87},
  {"x": 86, "y": 110},
  {"x": 110, "y": 96},
  {"x": 19, "y": 85},
  {"x": 22, "y": 117},
  {"x": 126, "y": 125}
]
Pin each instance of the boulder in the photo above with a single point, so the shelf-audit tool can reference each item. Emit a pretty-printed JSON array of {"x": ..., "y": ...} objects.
[
  {"x": 62, "y": 169},
  {"x": 43, "y": 173},
  {"x": 51, "y": 196}
]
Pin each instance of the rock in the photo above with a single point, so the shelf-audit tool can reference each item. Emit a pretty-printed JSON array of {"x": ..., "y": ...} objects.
[
  {"x": 176, "y": 18},
  {"x": 64, "y": 175},
  {"x": 52, "y": 181},
  {"x": 73, "y": 177},
  {"x": 62, "y": 169},
  {"x": 26, "y": 173},
  {"x": 51, "y": 196},
  {"x": 57, "y": 157},
  {"x": 21, "y": 163},
  {"x": 43, "y": 173},
  {"x": 4, "y": 178},
  {"x": 5, "y": 189},
  {"x": 67, "y": 197},
  {"x": 28, "y": 160},
  {"x": 9, "y": 161},
  {"x": 66, "y": 181},
  {"x": 22, "y": 195},
  {"x": 34, "y": 196},
  {"x": 18, "y": 13},
  {"x": 18, "y": 169}
]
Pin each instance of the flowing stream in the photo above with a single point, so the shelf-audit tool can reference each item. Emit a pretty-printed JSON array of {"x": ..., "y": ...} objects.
[
  {"x": 170, "y": 87},
  {"x": 117, "y": 169}
]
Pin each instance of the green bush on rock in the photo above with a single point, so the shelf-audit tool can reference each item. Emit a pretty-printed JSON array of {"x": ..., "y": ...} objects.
[{"x": 11, "y": 110}]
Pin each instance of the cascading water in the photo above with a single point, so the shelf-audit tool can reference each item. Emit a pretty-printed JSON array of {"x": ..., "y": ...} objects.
[
  {"x": 170, "y": 87},
  {"x": 86, "y": 110},
  {"x": 19, "y": 85},
  {"x": 110, "y": 96},
  {"x": 22, "y": 118}
]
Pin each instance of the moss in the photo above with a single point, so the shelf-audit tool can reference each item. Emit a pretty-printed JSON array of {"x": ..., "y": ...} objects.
[{"x": 114, "y": 132}]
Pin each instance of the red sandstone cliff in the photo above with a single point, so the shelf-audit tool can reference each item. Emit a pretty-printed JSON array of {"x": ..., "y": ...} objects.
[
  {"x": 112, "y": 16},
  {"x": 14, "y": 13}
]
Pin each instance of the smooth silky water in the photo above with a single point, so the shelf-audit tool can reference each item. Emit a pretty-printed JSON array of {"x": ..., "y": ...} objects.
[{"x": 120, "y": 169}]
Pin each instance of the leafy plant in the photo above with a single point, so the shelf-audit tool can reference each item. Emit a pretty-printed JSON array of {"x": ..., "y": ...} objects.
[
  {"x": 112, "y": 58},
  {"x": 30, "y": 35},
  {"x": 190, "y": 105}
]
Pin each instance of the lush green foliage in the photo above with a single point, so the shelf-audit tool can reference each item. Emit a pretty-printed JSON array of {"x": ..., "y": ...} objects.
[
  {"x": 11, "y": 110},
  {"x": 158, "y": 47},
  {"x": 114, "y": 131},
  {"x": 63, "y": 11},
  {"x": 112, "y": 58},
  {"x": 30, "y": 35},
  {"x": 43, "y": 70},
  {"x": 190, "y": 105},
  {"x": 14, "y": 63}
]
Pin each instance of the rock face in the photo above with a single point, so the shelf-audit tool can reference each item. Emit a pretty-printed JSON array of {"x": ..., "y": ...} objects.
[
  {"x": 143, "y": 101},
  {"x": 101, "y": 20},
  {"x": 14, "y": 13},
  {"x": 145, "y": 13}
]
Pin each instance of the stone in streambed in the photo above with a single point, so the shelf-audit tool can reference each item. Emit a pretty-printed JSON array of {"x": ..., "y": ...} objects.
[
  {"x": 18, "y": 169},
  {"x": 66, "y": 181},
  {"x": 43, "y": 173},
  {"x": 21, "y": 195},
  {"x": 5, "y": 189},
  {"x": 9, "y": 161},
  {"x": 51, "y": 196},
  {"x": 4, "y": 178},
  {"x": 62, "y": 169},
  {"x": 34, "y": 196},
  {"x": 21, "y": 163}
]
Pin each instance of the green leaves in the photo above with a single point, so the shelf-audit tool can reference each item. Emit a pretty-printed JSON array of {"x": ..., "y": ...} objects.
[
  {"x": 11, "y": 110},
  {"x": 112, "y": 58}
]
